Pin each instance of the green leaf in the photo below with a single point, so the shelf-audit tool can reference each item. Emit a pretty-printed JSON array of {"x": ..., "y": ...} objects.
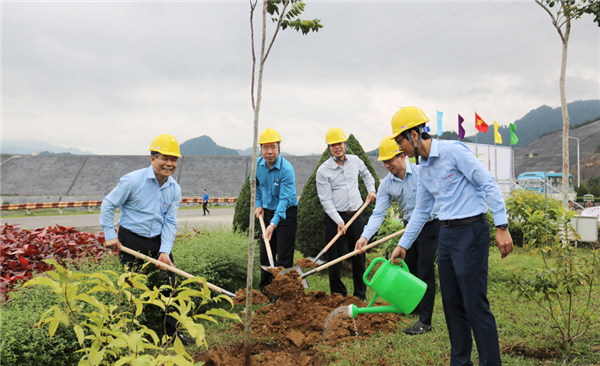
[{"x": 79, "y": 332}]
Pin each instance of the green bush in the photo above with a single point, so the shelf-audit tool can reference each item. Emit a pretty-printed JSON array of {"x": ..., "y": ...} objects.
[
  {"x": 520, "y": 204},
  {"x": 310, "y": 238},
  {"x": 595, "y": 190},
  {"x": 23, "y": 343},
  {"x": 581, "y": 190},
  {"x": 218, "y": 255},
  {"x": 241, "y": 213}
]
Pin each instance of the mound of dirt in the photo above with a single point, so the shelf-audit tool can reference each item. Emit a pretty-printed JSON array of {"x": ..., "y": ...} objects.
[
  {"x": 257, "y": 297},
  {"x": 306, "y": 263},
  {"x": 296, "y": 323}
]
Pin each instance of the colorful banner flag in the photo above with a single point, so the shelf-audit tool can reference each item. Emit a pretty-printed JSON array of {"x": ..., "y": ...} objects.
[
  {"x": 480, "y": 125},
  {"x": 461, "y": 130},
  {"x": 513, "y": 136},
  {"x": 439, "y": 119},
  {"x": 497, "y": 137}
]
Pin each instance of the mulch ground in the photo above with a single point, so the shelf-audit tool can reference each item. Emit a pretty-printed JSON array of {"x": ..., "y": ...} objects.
[{"x": 286, "y": 332}]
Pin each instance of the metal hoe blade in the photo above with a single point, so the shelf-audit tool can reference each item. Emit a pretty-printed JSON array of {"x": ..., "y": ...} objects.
[{"x": 300, "y": 272}]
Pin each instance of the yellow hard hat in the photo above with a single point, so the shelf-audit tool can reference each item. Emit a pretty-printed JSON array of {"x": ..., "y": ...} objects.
[
  {"x": 268, "y": 136},
  {"x": 388, "y": 149},
  {"x": 165, "y": 144},
  {"x": 407, "y": 118},
  {"x": 335, "y": 135}
]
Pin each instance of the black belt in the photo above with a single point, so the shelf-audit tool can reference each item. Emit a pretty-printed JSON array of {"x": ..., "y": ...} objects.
[
  {"x": 349, "y": 213},
  {"x": 465, "y": 221},
  {"x": 138, "y": 235}
]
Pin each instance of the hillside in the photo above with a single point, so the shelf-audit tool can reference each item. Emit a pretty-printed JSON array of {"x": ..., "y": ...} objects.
[
  {"x": 204, "y": 145},
  {"x": 545, "y": 153},
  {"x": 540, "y": 121}
]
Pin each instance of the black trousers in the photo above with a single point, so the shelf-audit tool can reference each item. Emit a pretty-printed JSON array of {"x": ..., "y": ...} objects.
[
  {"x": 420, "y": 259},
  {"x": 204, "y": 207},
  {"x": 337, "y": 250},
  {"x": 149, "y": 247},
  {"x": 283, "y": 244},
  {"x": 463, "y": 268}
]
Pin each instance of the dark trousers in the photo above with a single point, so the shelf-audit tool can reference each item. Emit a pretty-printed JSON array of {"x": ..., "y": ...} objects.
[
  {"x": 204, "y": 207},
  {"x": 149, "y": 247},
  {"x": 283, "y": 244},
  {"x": 337, "y": 250},
  {"x": 420, "y": 259},
  {"x": 463, "y": 269}
]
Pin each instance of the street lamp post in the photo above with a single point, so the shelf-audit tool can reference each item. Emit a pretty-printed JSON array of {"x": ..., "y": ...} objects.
[{"x": 578, "y": 173}]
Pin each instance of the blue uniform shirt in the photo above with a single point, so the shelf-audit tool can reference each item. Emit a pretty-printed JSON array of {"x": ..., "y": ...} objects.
[
  {"x": 454, "y": 178},
  {"x": 276, "y": 187},
  {"x": 205, "y": 197},
  {"x": 147, "y": 209},
  {"x": 403, "y": 191}
]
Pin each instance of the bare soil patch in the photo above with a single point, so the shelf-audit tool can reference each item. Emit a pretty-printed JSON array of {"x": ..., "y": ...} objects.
[{"x": 287, "y": 331}]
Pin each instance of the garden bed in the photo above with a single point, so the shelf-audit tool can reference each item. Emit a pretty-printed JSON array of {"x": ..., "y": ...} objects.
[{"x": 289, "y": 331}]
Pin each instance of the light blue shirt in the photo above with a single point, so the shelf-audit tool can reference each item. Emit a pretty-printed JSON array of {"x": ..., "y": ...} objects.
[
  {"x": 403, "y": 191},
  {"x": 337, "y": 185},
  {"x": 147, "y": 209},
  {"x": 454, "y": 178},
  {"x": 276, "y": 187}
]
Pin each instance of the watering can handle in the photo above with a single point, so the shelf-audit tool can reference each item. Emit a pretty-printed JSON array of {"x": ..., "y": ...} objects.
[{"x": 374, "y": 262}]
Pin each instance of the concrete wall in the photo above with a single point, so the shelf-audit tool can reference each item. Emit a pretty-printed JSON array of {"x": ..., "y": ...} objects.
[{"x": 54, "y": 178}]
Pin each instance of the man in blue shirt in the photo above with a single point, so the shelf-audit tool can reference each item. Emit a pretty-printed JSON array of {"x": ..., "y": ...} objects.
[
  {"x": 400, "y": 185},
  {"x": 452, "y": 176},
  {"x": 149, "y": 199},
  {"x": 205, "y": 199},
  {"x": 277, "y": 202},
  {"x": 337, "y": 187}
]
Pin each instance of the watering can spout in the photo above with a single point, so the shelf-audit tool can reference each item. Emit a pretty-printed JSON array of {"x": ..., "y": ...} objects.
[{"x": 354, "y": 310}]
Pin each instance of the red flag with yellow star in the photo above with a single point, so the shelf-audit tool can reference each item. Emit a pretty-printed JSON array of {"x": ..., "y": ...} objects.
[{"x": 480, "y": 125}]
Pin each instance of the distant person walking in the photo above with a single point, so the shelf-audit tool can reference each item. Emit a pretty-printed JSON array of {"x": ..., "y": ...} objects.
[
  {"x": 149, "y": 199},
  {"x": 277, "y": 202},
  {"x": 205, "y": 199},
  {"x": 337, "y": 187}
]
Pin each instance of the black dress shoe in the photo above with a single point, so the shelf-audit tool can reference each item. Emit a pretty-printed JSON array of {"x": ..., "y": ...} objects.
[
  {"x": 418, "y": 328},
  {"x": 187, "y": 341}
]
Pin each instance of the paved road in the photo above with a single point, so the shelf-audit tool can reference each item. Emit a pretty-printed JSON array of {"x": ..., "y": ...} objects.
[{"x": 186, "y": 220}]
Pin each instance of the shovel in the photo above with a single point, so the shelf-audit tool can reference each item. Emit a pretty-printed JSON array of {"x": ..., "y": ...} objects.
[
  {"x": 267, "y": 245},
  {"x": 270, "y": 254},
  {"x": 316, "y": 259},
  {"x": 173, "y": 269},
  {"x": 335, "y": 261}
]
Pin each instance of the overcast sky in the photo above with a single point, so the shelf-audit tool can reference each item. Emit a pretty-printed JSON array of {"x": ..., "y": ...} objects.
[{"x": 107, "y": 77}]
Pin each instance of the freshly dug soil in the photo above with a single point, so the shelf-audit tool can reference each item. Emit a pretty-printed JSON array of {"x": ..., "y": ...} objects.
[
  {"x": 306, "y": 263},
  {"x": 257, "y": 297},
  {"x": 285, "y": 332}
]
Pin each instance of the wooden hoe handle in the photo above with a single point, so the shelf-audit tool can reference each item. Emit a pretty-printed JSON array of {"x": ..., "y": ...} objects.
[
  {"x": 351, "y": 254},
  {"x": 267, "y": 244}
]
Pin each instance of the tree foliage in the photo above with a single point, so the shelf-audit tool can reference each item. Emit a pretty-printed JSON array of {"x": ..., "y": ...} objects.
[{"x": 310, "y": 237}]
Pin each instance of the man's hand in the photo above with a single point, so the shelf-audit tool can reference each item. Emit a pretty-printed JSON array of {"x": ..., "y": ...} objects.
[
  {"x": 113, "y": 244},
  {"x": 504, "y": 242},
  {"x": 269, "y": 233},
  {"x": 372, "y": 196},
  {"x": 259, "y": 212},
  {"x": 360, "y": 244},
  {"x": 164, "y": 258},
  {"x": 342, "y": 227},
  {"x": 398, "y": 253}
]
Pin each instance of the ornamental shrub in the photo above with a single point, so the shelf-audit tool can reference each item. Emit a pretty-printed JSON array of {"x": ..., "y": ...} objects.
[
  {"x": 310, "y": 238},
  {"x": 219, "y": 255},
  {"x": 24, "y": 344},
  {"x": 241, "y": 213}
]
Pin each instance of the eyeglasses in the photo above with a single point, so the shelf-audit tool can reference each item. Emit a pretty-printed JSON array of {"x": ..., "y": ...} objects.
[{"x": 389, "y": 161}]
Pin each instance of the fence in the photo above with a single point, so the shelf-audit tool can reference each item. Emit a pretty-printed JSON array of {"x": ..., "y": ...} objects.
[{"x": 91, "y": 204}]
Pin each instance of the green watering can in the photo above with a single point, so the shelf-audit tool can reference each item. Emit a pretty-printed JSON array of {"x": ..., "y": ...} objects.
[{"x": 396, "y": 285}]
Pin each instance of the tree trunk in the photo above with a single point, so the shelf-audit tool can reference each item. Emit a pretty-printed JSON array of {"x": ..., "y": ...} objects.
[
  {"x": 248, "y": 323},
  {"x": 565, "y": 116}
]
